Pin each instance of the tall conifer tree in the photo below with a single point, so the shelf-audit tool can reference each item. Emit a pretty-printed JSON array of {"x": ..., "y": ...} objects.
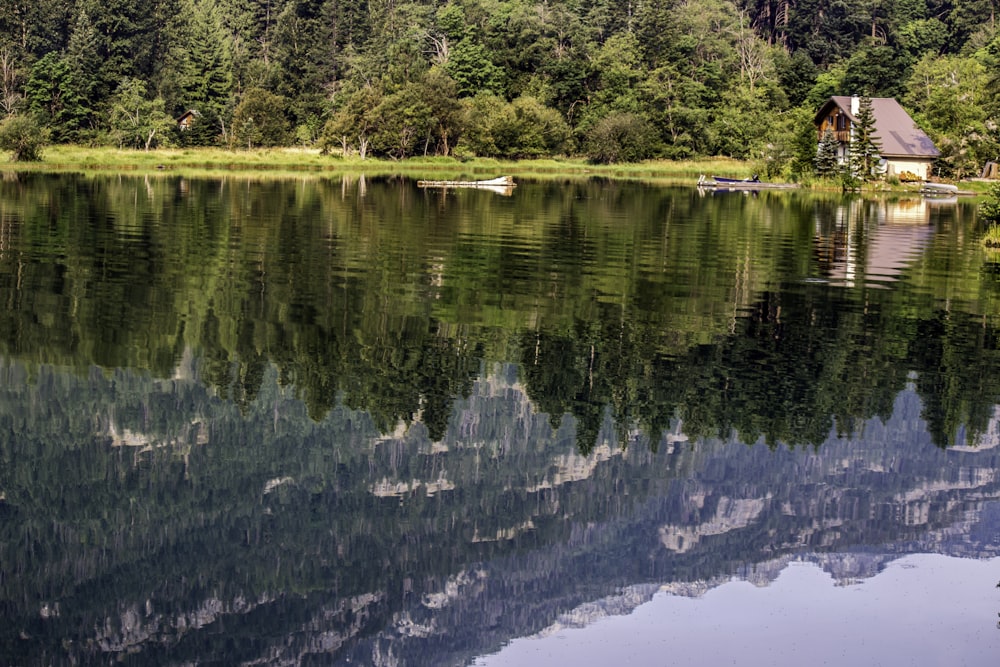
[
  {"x": 865, "y": 142},
  {"x": 207, "y": 76}
]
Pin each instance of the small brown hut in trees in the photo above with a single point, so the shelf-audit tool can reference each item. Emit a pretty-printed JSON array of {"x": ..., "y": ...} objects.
[
  {"x": 186, "y": 118},
  {"x": 907, "y": 151}
]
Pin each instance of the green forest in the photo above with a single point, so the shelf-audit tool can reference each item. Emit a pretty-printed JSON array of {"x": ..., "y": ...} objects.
[{"x": 612, "y": 80}]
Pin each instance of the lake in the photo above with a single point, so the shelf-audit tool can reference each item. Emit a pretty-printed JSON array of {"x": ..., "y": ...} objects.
[{"x": 352, "y": 421}]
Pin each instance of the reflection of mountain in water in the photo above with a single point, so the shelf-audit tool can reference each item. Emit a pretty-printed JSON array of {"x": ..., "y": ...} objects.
[{"x": 191, "y": 533}]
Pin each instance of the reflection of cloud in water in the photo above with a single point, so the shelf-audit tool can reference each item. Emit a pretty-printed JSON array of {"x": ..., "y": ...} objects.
[{"x": 803, "y": 617}]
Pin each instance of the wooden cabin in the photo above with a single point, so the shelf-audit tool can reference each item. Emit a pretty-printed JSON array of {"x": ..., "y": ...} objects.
[
  {"x": 186, "y": 119},
  {"x": 904, "y": 147}
]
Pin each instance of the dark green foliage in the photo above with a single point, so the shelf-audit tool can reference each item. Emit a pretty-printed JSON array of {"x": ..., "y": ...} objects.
[
  {"x": 350, "y": 128},
  {"x": 470, "y": 66},
  {"x": 802, "y": 144},
  {"x": 303, "y": 47},
  {"x": 128, "y": 41},
  {"x": 84, "y": 64},
  {"x": 23, "y": 136},
  {"x": 404, "y": 122},
  {"x": 206, "y": 65},
  {"x": 827, "y": 31},
  {"x": 35, "y": 27},
  {"x": 621, "y": 137},
  {"x": 205, "y": 130},
  {"x": 969, "y": 18},
  {"x": 423, "y": 117},
  {"x": 923, "y": 36},
  {"x": 55, "y": 93},
  {"x": 798, "y": 76},
  {"x": 879, "y": 70}
]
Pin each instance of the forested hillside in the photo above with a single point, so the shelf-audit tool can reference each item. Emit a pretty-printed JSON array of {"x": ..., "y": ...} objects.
[{"x": 612, "y": 79}]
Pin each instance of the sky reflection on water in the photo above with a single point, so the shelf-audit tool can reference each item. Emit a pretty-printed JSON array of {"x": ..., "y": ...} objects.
[{"x": 923, "y": 609}]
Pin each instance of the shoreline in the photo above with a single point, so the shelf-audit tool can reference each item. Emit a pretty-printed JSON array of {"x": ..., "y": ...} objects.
[{"x": 301, "y": 162}]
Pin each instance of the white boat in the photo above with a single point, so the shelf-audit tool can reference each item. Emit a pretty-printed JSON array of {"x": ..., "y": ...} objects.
[
  {"x": 501, "y": 181},
  {"x": 720, "y": 183},
  {"x": 941, "y": 189}
]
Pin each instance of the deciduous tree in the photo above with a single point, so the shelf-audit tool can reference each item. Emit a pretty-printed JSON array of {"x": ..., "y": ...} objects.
[
  {"x": 621, "y": 137},
  {"x": 137, "y": 121},
  {"x": 949, "y": 99},
  {"x": 259, "y": 119}
]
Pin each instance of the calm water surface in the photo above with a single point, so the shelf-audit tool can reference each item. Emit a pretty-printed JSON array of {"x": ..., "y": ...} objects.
[{"x": 354, "y": 422}]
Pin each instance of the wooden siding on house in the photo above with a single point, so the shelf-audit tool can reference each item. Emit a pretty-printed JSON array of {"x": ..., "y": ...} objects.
[
  {"x": 186, "y": 119},
  {"x": 839, "y": 123}
]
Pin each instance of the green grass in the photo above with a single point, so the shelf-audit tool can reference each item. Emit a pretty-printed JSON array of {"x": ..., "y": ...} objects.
[
  {"x": 297, "y": 162},
  {"x": 309, "y": 163}
]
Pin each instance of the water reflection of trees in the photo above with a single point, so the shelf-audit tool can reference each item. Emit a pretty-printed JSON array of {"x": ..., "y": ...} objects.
[{"x": 392, "y": 300}]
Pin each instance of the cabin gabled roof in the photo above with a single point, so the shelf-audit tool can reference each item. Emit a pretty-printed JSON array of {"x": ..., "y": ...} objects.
[{"x": 898, "y": 135}]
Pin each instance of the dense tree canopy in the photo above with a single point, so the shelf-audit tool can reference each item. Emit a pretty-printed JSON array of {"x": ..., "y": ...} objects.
[{"x": 682, "y": 78}]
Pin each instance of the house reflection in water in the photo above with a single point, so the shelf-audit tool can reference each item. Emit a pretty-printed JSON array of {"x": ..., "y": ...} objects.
[{"x": 871, "y": 242}]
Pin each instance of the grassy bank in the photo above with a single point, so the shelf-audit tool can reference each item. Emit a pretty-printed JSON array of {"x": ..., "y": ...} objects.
[
  {"x": 297, "y": 162},
  {"x": 302, "y": 162}
]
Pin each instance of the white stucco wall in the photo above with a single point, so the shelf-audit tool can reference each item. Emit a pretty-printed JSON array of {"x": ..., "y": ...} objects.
[{"x": 920, "y": 168}]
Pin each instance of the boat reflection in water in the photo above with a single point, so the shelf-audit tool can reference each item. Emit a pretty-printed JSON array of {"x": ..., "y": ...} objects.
[{"x": 502, "y": 185}]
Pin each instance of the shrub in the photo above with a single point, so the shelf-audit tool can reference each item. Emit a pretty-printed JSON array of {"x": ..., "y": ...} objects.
[
  {"x": 621, "y": 137},
  {"x": 23, "y": 136},
  {"x": 989, "y": 212},
  {"x": 849, "y": 182},
  {"x": 524, "y": 128},
  {"x": 989, "y": 208},
  {"x": 259, "y": 119}
]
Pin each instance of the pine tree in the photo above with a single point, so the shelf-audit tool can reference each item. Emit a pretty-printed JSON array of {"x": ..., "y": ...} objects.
[
  {"x": 207, "y": 79},
  {"x": 52, "y": 92},
  {"x": 865, "y": 147},
  {"x": 85, "y": 66},
  {"x": 827, "y": 164}
]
